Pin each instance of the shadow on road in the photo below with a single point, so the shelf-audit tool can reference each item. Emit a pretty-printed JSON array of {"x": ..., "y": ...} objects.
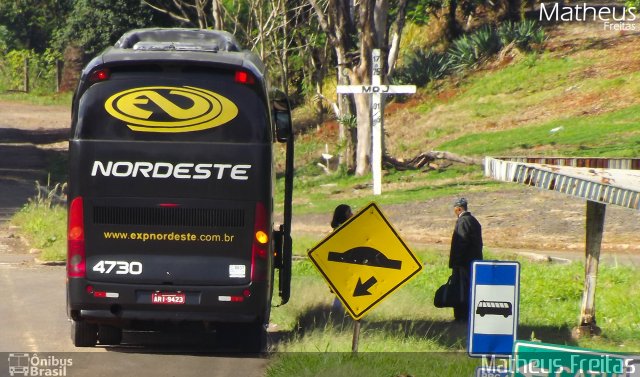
[
  {"x": 178, "y": 340},
  {"x": 38, "y": 136}
]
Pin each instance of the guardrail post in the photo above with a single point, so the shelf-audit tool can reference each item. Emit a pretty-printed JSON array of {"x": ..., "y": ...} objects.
[{"x": 595, "y": 229}]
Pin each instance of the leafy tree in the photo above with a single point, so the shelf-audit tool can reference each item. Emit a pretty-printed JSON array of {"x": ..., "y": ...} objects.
[
  {"x": 29, "y": 24},
  {"x": 4, "y": 38},
  {"x": 93, "y": 25}
]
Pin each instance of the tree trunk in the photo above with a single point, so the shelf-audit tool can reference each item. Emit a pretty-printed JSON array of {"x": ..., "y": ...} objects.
[
  {"x": 452, "y": 28},
  {"x": 202, "y": 17},
  {"x": 216, "y": 12},
  {"x": 371, "y": 29},
  {"x": 396, "y": 33},
  {"x": 514, "y": 10},
  {"x": 363, "y": 148}
]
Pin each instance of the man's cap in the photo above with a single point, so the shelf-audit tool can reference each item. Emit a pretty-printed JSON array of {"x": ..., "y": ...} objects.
[{"x": 460, "y": 202}]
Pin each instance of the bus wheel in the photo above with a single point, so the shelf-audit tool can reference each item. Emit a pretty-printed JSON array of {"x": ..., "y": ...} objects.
[
  {"x": 109, "y": 335},
  {"x": 84, "y": 334}
]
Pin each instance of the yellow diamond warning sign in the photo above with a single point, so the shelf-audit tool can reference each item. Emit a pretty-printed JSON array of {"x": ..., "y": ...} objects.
[{"x": 364, "y": 261}]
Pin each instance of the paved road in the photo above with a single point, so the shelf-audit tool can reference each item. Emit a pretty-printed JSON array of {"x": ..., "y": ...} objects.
[{"x": 33, "y": 321}]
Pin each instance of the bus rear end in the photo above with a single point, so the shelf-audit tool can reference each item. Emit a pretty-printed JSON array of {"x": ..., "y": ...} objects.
[{"x": 171, "y": 195}]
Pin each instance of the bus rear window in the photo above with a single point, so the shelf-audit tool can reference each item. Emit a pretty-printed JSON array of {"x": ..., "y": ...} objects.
[{"x": 198, "y": 105}]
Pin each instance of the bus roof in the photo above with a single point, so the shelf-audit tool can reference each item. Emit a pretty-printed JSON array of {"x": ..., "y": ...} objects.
[
  {"x": 216, "y": 40},
  {"x": 179, "y": 46}
]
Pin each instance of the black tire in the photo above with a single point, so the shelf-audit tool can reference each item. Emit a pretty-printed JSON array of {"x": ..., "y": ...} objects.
[
  {"x": 84, "y": 334},
  {"x": 109, "y": 335},
  {"x": 243, "y": 337}
]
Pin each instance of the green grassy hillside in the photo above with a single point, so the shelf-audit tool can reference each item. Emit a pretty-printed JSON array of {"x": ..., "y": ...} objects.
[
  {"x": 579, "y": 97},
  {"x": 586, "y": 86}
]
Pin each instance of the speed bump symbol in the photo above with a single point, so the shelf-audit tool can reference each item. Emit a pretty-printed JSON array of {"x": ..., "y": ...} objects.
[{"x": 366, "y": 256}]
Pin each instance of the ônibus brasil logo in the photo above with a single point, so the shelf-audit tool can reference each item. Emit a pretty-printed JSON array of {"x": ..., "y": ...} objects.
[
  {"x": 170, "y": 109},
  {"x": 25, "y": 364}
]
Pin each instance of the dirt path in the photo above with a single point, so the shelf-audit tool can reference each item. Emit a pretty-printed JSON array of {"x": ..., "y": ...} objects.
[
  {"x": 516, "y": 218},
  {"x": 30, "y": 138}
]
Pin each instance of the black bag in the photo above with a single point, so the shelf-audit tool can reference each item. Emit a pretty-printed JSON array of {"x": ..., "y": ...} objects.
[{"x": 451, "y": 293}]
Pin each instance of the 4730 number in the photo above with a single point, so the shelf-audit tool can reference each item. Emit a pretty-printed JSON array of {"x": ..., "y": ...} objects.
[{"x": 118, "y": 267}]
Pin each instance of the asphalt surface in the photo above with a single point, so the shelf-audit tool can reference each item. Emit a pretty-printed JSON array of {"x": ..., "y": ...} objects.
[{"x": 33, "y": 321}]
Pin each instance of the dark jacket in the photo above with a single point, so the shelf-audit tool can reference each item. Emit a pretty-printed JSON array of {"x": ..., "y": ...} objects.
[{"x": 466, "y": 243}]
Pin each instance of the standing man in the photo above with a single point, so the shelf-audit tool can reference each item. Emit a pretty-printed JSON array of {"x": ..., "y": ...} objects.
[{"x": 466, "y": 246}]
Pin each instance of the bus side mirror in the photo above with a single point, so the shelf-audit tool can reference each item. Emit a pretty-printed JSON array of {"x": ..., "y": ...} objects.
[{"x": 282, "y": 116}]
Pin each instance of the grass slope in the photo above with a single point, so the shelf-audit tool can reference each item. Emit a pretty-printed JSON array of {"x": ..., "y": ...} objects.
[{"x": 591, "y": 89}]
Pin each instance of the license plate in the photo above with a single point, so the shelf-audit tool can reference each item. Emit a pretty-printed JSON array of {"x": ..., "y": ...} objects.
[{"x": 168, "y": 298}]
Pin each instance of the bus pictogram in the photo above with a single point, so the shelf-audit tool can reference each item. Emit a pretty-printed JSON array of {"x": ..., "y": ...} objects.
[{"x": 502, "y": 308}]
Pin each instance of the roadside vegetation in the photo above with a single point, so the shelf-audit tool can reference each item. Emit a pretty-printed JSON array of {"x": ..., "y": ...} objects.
[
  {"x": 43, "y": 222},
  {"x": 407, "y": 334}
]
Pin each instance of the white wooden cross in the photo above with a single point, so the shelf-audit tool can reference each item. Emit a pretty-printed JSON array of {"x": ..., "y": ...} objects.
[{"x": 377, "y": 114}]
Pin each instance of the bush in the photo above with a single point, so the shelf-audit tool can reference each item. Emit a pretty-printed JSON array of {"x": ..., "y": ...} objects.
[
  {"x": 421, "y": 66},
  {"x": 525, "y": 35},
  {"x": 486, "y": 42},
  {"x": 469, "y": 51},
  {"x": 42, "y": 70},
  {"x": 462, "y": 54}
]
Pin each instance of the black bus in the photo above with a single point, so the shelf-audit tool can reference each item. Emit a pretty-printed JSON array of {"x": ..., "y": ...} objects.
[{"x": 171, "y": 189}]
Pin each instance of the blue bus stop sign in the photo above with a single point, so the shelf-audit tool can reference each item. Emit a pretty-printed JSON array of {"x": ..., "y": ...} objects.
[{"x": 493, "y": 308}]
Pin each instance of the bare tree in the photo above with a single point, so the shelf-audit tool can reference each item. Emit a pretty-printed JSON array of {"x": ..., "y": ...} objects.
[
  {"x": 355, "y": 29},
  {"x": 216, "y": 13},
  {"x": 188, "y": 12},
  {"x": 268, "y": 28}
]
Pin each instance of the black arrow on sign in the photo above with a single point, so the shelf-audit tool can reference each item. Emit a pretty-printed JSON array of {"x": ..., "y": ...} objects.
[{"x": 362, "y": 289}]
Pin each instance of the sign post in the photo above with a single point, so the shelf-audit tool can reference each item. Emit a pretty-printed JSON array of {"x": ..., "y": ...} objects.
[
  {"x": 376, "y": 90},
  {"x": 364, "y": 261},
  {"x": 494, "y": 308}
]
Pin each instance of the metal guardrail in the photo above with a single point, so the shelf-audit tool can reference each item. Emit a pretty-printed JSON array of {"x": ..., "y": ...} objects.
[
  {"x": 603, "y": 180},
  {"x": 580, "y": 162}
]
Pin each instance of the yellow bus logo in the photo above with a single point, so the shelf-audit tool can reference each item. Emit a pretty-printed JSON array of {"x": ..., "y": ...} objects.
[{"x": 170, "y": 109}]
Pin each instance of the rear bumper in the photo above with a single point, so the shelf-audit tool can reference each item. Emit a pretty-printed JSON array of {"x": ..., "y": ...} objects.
[{"x": 120, "y": 304}]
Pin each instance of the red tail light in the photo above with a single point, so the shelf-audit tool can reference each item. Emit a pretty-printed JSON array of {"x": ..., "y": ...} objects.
[
  {"x": 76, "y": 258},
  {"x": 260, "y": 250},
  {"x": 99, "y": 75},
  {"x": 244, "y": 77}
]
